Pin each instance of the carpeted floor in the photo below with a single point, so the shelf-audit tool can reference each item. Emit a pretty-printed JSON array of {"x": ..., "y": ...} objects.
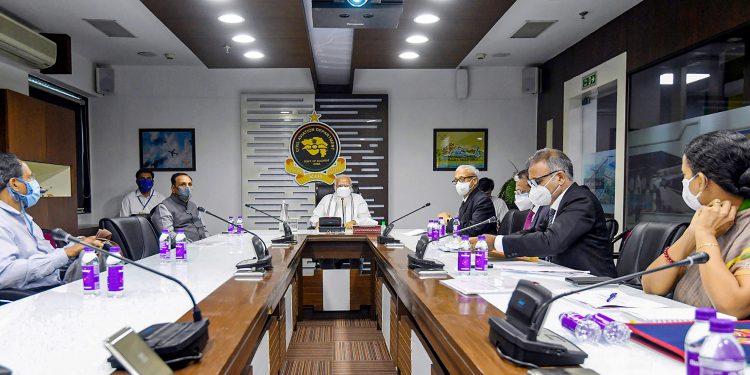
[{"x": 338, "y": 347}]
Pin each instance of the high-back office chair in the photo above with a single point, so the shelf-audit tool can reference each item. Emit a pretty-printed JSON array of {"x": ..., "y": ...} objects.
[
  {"x": 135, "y": 234},
  {"x": 612, "y": 228},
  {"x": 512, "y": 222},
  {"x": 643, "y": 245},
  {"x": 9, "y": 295},
  {"x": 323, "y": 189}
]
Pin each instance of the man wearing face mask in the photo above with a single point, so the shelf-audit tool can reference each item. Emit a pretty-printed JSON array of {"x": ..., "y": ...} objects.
[
  {"x": 523, "y": 202},
  {"x": 178, "y": 211},
  {"x": 142, "y": 200},
  {"x": 574, "y": 233},
  {"x": 350, "y": 207},
  {"x": 27, "y": 260},
  {"x": 487, "y": 185},
  {"x": 475, "y": 206}
]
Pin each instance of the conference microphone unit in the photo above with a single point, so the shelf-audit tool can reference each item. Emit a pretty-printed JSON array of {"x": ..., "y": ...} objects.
[
  {"x": 288, "y": 237},
  {"x": 385, "y": 237},
  {"x": 519, "y": 336},
  {"x": 178, "y": 344},
  {"x": 418, "y": 261},
  {"x": 262, "y": 254}
]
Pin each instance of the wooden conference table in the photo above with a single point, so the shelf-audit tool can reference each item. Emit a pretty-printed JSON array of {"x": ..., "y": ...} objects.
[{"x": 429, "y": 328}]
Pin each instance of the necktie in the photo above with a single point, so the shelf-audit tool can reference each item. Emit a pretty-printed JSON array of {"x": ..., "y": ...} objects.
[
  {"x": 529, "y": 220},
  {"x": 551, "y": 217}
]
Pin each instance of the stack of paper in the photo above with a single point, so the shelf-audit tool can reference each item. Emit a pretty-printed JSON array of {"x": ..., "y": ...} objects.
[
  {"x": 542, "y": 269},
  {"x": 603, "y": 298},
  {"x": 670, "y": 315},
  {"x": 477, "y": 285}
]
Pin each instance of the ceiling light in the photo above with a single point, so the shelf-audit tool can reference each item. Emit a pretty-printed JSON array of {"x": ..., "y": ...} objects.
[
  {"x": 146, "y": 54},
  {"x": 417, "y": 39},
  {"x": 254, "y": 55},
  {"x": 666, "y": 79},
  {"x": 231, "y": 18},
  {"x": 693, "y": 77},
  {"x": 243, "y": 38},
  {"x": 408, "y": 55},
  {"x": 426, "y": 18},
  {"x": 285, "y": 112},
  {"x": 356, "y": 3}
]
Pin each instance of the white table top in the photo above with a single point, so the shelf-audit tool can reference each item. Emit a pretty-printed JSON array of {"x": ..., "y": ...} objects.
[{"x": 64, "y": 328}]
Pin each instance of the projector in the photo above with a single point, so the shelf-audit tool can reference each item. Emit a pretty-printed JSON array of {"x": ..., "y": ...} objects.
[{"x": 357, "y": 14}]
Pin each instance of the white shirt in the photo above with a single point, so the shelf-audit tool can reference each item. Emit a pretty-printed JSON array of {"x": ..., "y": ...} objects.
[
  {"x": 136, "y": 204},
  {"x": 354, "y": 208},
  {"x": 500, "y": 208}
]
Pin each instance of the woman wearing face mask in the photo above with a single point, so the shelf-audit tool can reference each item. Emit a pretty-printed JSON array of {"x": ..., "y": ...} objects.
[{"x": 716, "y": 184}]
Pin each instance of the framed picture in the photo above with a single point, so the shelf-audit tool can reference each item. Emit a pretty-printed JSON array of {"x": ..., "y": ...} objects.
[
  {"x": 454, "y": 147},
  {"x": 167, "y": 149}
]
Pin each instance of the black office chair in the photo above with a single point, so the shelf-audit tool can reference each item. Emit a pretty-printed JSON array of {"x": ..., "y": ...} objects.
[
  {"x": 612, "y": 228},
  {"x": 323, "y": 189},
  {"x": 644, "y": 244},
  {"x": 9, "y": 295},
  {"x": 135, "y": 234},
  {"x": 512, "y": 222}
]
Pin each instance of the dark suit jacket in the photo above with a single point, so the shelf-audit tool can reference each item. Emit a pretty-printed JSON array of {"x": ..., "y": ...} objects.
[
  {"x": 577, "y": 238},
  {"x": 477, "y": 208}
]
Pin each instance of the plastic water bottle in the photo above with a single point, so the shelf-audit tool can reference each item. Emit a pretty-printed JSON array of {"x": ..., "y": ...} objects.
[
  {"x": 90, "y": 272},
  {"x": 164, "y": 246},
  {"x": 114, "y": 274},
  {"x": 695, "y": 337},
  {"x": 283, "y": 215},
  {"x": 721, "y": 354},
  {"x": 430, "y": 230},
  {"x": 582, "y": 328},
  {"x": 180, "y": 246},
  {"x": 464, "y": 257},
  {"x": 480, "y": 256},
  {"x": 382, "y": 227},
  {"x": 456, "y": 225},
  {"x": 230, "y": 226},
  {"x": 441, "y": 226},
  {"x": 238, "y": 225},
  {"x": 612, "y": 332}
]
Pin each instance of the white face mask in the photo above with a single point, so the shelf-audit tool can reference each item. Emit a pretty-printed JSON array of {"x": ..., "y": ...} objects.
[
  {"x": 463, "y": 188},
  {"x": 343, "y": 192},
  {"x": 523, "y": 202},
  {"x": 687, "y": 196},
  {"x": 540, "y": 196}
]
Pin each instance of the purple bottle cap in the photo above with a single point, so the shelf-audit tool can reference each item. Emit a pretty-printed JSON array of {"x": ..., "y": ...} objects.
[
  {"x": 180, "y": 231},
  {"x": 464, "y": 238},
  {"x": 88, "y": 249},
  {"x": 114, "y": 249},
  {"x": 482, "y": 238},
  {"x": 165, "y": 230},
  {"x": 721, "y": 325},
  {"x": 704, "y": 313}
]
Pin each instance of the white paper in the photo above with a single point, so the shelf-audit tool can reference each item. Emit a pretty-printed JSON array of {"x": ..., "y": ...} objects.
[
  {"x": 477, "y": 285},
  {"x": 415, "y": 232},
  {"x": 543, "y": 269},
  {"x": 597, "y": 298},
  {"x": 658, "y": 315}
]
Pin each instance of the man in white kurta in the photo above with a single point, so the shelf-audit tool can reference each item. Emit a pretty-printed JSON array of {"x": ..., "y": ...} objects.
[{"x": 343, "y": 203}]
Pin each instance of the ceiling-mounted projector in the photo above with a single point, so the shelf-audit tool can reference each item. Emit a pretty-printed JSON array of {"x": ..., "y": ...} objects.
[{"x": 357, "y": 14}]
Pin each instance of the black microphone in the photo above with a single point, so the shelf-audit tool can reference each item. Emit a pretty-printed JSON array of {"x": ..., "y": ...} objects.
[
  {"x": 418, "y": 261},
  {"x": 164, "y": 338},
  {"x": 261, "y": 250},
  {"x": 288, "y": 237},
  {"x": 385, "y": 237},
  {"x": 516, "y": 334}
]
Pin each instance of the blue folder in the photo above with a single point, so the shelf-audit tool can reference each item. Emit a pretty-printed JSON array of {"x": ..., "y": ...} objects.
[{"x": 669, "y": 338}]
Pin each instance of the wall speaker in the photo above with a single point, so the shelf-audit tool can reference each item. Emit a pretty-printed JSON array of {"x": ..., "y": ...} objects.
[
  {"x": 530, "y": 80},
  {"x": 105, "y": 80},
  {"x": 462, "y": 83}
]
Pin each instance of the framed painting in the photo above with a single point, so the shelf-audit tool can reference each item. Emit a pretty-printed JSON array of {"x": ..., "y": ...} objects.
[
  {"x": 167, "y": 149},
  {"x": 454, "y": 147}
]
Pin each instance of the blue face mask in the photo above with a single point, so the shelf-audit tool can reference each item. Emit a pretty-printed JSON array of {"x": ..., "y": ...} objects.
[
  {"x": 145, "y": 185},
  {"x": 185, "y": 193},
  {"x": 33, "y": 193}
]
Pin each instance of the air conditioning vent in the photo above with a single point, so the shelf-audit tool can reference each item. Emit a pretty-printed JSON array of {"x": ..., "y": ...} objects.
[
  {"x": 22, "y": 44},
  {"x": 110, "y": 28},
  {"x": 532, "y": 29}
]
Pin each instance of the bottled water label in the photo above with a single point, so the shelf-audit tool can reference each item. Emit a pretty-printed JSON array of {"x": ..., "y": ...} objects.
[
  {"x": 464, "y": 261},
  {"x": 90, "y": 275},
  {"x": 164, "y": 250},
  {"x": 238, "y": 228},
  {"x": 114, "y": 278},
  {"x": 180, "y": 251},
  {"x": 480, "y": 260},
  {"x": 691, "y": 362}
]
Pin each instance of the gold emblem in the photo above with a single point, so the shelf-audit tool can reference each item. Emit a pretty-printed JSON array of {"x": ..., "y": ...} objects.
[
  {"x": 314, "y": 150},
  {"x": 315, "y": 145}
]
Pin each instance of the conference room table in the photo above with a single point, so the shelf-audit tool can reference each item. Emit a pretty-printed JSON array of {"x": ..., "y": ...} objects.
[{"x": 62, "y": 331}]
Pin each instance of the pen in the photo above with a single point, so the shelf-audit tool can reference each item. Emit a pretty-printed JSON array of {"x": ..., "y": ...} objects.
[{"x": 611, "y": 297}]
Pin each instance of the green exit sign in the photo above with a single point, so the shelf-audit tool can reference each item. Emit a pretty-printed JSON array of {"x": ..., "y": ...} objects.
[{"x": 589, "y": 80}]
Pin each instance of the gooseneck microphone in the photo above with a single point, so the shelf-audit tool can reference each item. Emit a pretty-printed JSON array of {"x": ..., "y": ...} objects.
[
  {"x": 418, "y": 261},
  {"x": 385, "y": 237},
  {"x": 288, "y": 237},
  {"x": 176, "y": 343},
  {"x": 261, "y": 250},
  {"x": 516, "y": 335}
]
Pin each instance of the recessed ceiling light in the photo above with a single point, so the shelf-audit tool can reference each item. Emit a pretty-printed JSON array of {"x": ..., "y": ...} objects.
[
  {"x": 285, "y": 112},
  {"x": 146, "y": 54},
  {"x": 254, "y": 55},
  {"x": 231, "y": 18},
  {"x": 426, "y": 18},
  {"x": 408, "y": 55},
  {"x": 417, "y": 39},
  {"x": 243, "y": 38}
]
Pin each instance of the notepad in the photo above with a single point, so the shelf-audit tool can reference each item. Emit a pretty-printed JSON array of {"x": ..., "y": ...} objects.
[
  {"x": 669, "y": 315},
  {"x": 483, "y": 285},
  {"x": 598, "y": 299}
]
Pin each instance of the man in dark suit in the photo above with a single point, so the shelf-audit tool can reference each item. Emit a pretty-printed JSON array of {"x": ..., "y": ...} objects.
[
  {"x": 476, "y": 206},
  {"x": 574, "y": 233}
]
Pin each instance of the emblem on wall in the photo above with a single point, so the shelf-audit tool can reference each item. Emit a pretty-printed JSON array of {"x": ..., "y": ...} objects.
[{"x": 314, "y": 149}]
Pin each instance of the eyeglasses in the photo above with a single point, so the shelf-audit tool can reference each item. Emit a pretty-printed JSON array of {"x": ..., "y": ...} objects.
[
  {"x": 463, "y": 179},
  {"x": 538, "y": 181}
]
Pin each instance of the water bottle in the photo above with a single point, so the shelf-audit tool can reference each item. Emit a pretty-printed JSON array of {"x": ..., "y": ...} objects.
[
  {"x": 114, "y": 274},
  {"x": 720, "y": 353},
  {"x": 582, "y": 328},
  {"x": 180, "y": 246},
  {"x": 430, "y": 230},
  {"x": 382, "y": 227},
  {"x": 480, "y": 256},
  {"x": 230, "y": 226},
  {"x": 695, "y": 337},
  {"x": 238, "y": 225},
  {"x": 441, "y": 226},
  {"x": 283, "y": 215},
  {"x": 464, "y": 256},
  {"x": 612, "y": 332},
  {"x": 90, "y": 272},
  {"x": 456, "y": 225},
  {"x": 164, "y": 246}
]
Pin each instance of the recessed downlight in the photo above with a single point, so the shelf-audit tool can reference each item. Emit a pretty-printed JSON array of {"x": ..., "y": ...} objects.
[
  {"x": 231, "y": 18},
  {"x": 146, "y": 54},
  {"x": 408, "y": 55},
  {"x": 417, "y": 39},
  {"x": 254, "y": 55},
  {"x": 426, "y": 18},
  {"x": 243, "y": 38}
]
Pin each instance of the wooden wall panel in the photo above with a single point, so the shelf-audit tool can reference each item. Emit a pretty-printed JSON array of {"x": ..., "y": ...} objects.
[
  {"x": 274, "y": 345},
  {"x": 359, "y": 290},
  {"x": 312, "y": 290}
]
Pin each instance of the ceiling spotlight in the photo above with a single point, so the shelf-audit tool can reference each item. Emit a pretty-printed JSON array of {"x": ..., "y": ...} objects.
[
  {"x": 357, "y": 3},
  {"x": 146, "y": 54},
  {"x": 243, "y": 38},
  {"x": 417, "y": 39},
  {"x": 254, "y": 55},
  {"x": 426, "y": 18},
  {"x": 408, "y": 55},
  {"x": 231, "y": 18}
]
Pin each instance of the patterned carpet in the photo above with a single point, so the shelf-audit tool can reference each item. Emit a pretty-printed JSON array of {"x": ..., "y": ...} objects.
[{"x": 338, "y": 347}]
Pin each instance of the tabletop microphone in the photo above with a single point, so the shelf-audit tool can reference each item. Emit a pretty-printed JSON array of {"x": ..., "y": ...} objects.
[
  {"x": 516, "y": 334},
  {"x": 176, "y": 343},
  {"x": 261, "y": 250},
  {"x": 385, "y": 237},
  {"x": 288, "y": 237},
  {"x": 418, "y": 261}
]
